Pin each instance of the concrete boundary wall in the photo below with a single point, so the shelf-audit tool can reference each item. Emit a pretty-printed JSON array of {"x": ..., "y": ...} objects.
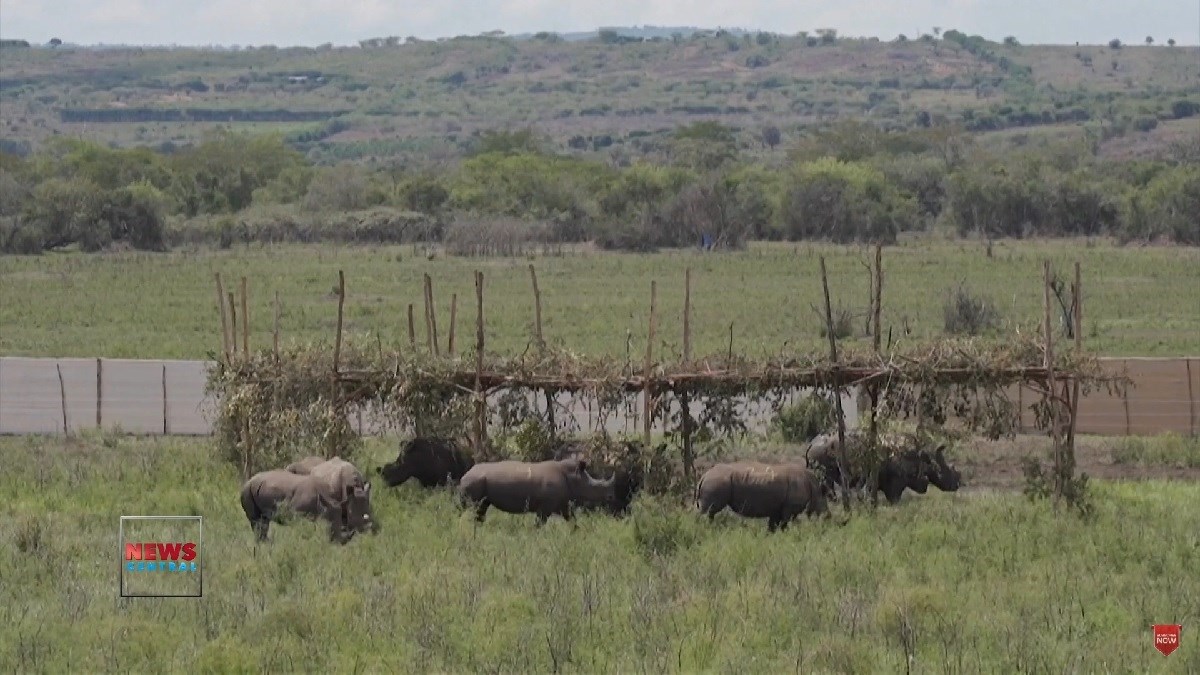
[{"x": 129, "y": 394}]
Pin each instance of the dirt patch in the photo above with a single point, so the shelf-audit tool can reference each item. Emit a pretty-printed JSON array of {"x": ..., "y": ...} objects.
[{"x": 997, "y": 464}]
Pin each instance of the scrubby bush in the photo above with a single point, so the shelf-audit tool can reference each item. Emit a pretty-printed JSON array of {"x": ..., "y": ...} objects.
[
  {"x": 808, "y": 418},
  {"x": 492, "y": 236},
  {"x": 965, "y": 313},
  {"x": 844, "y": 202}
]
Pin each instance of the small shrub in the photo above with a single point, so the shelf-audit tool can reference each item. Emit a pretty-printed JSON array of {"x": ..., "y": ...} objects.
[
  {"x": 843, "y": 324},
  {"x": 533, "y": 442},
  {"x": 30, "y": 535},
  {"x": 803, "y": 421},
  {"x": 966, "y": 314},
  {"x": 660, "y": 527},
  {"x": 1039, "y": 484}
]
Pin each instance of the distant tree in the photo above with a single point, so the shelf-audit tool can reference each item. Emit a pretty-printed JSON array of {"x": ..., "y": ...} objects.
[
  {"x": 828, "y": 35},
  {"x": 771, "y": 136},
  {"x": 609, "y": 36},
  {"x": 1149, "y": 40},
  {"x": 902, "y": 38},
  {"x": 1114, "y": 44},
  {"x": 54, "y": 42},
  {"x": 1171, "y": 42},
  {"x": 1011, "y": 41},
  {"x": 937, "y": 30},
  {"x": 508, "y": 142}
]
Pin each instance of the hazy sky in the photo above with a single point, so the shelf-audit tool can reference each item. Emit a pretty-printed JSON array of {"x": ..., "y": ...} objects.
[{"x": 312, "y": 22}]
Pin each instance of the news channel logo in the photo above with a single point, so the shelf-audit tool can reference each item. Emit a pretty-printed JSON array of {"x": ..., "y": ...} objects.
[{"x": 161, "y": 557}]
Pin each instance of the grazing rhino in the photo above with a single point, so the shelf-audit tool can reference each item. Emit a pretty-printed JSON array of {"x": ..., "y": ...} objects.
[
  {"x": 778, "y": 492},
  {"x": 545, "y": 488},
  {"x": 347, "y": 508},
  {"x": 432, "y": 461},
  {"x": 912, "y": 469}
]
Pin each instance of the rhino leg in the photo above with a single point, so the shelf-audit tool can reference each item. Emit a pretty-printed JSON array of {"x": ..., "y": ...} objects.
[
  {"x": 260, "y": 528},
  {"x": 481, "y": 510}
]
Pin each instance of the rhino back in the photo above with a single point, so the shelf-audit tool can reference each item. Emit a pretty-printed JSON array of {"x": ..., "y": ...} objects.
[
  {"x": 305, "y": 466},
  {"x": 270, "y": 489},
  {"x": 338, "y": 474},
  {"x": 515, "y": 486}
]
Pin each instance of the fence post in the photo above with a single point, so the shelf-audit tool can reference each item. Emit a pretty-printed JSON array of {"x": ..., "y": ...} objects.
[
  {"x": 166, "y": 426},
  {"x": 1125, "y": 399},
  {"x": 1191, "y": 398},
  {"x": 99, "y": 392},
  {"x": 62, "y": 391},
  {"x": 647, "y": 418}
]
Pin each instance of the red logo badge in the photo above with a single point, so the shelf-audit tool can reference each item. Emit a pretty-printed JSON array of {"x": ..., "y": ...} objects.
[{"x": 1166, "y": 637}]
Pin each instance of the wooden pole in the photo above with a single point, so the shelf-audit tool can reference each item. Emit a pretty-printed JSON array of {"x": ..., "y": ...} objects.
[
  {"x": 873, "y": 388},
  {"x": 166, "y": 425},
  {"x": 1020, "y": 408},
  {"x": 232, "y": 324},
  {"x": 685, "y": 399},
  {"x": 1125, "y": 400},
  {"x": 275, "y": 335},
  {"x": 429, "y": 341},
  {"x": 1191, "y": 398},
  {"x": 537, "y": 306},
  {"x": 647, "y": 421},
  {"x": 100, "y": 387},
  {"x": 541, "y": 344},
  {"x": 412, "y": 328},
  {"x": 245, "y": 321},
  {"x": 437, "y": 350},
  {"x": 337, "y": 345},
  {"x": 62, "y": 392},
  {"x": 843, "y": 456},
  {"x": 480, "y": 402},
  {"x": 453, "y": 321},
  {"x": 225, "y": 339},
  {"x": 1051, "y": 388},
  {"x": 1077, "y": 331}
]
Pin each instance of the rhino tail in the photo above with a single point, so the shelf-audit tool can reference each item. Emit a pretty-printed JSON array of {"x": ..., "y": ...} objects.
[{"x": 250, "y": 504}]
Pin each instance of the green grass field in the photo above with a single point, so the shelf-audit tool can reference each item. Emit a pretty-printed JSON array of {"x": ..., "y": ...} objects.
[
  {"x": 1137, "y": 301},
  {"x": 982, "y": 582}
]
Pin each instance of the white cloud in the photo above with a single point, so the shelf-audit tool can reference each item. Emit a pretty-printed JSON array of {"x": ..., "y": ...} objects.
[{"x": 311, "y": 22}]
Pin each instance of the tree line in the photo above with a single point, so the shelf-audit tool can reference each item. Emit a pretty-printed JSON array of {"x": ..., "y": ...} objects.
[{"x": 848, "y": 182}]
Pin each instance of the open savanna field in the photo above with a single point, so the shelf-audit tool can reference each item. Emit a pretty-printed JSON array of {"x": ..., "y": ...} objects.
[
  {"x": 964, "y": 583},
  {"x": 1138, "y": 301},
  {"x": 981, "y": 580}
]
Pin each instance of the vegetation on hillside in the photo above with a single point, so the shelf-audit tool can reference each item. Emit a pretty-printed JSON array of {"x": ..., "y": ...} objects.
[
  {"x": 852, "y": 182},
  {"x": 642, "y": 142}
]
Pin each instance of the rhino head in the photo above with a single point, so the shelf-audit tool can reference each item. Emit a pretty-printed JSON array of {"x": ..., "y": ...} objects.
[
  {"x": 357, "y": 509},
  {"x": 943, "y": 476},
  {"x": 584, "y": 488}
]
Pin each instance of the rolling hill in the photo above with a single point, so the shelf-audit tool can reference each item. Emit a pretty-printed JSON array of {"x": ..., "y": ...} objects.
[{"x": 587, "y": 92}]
